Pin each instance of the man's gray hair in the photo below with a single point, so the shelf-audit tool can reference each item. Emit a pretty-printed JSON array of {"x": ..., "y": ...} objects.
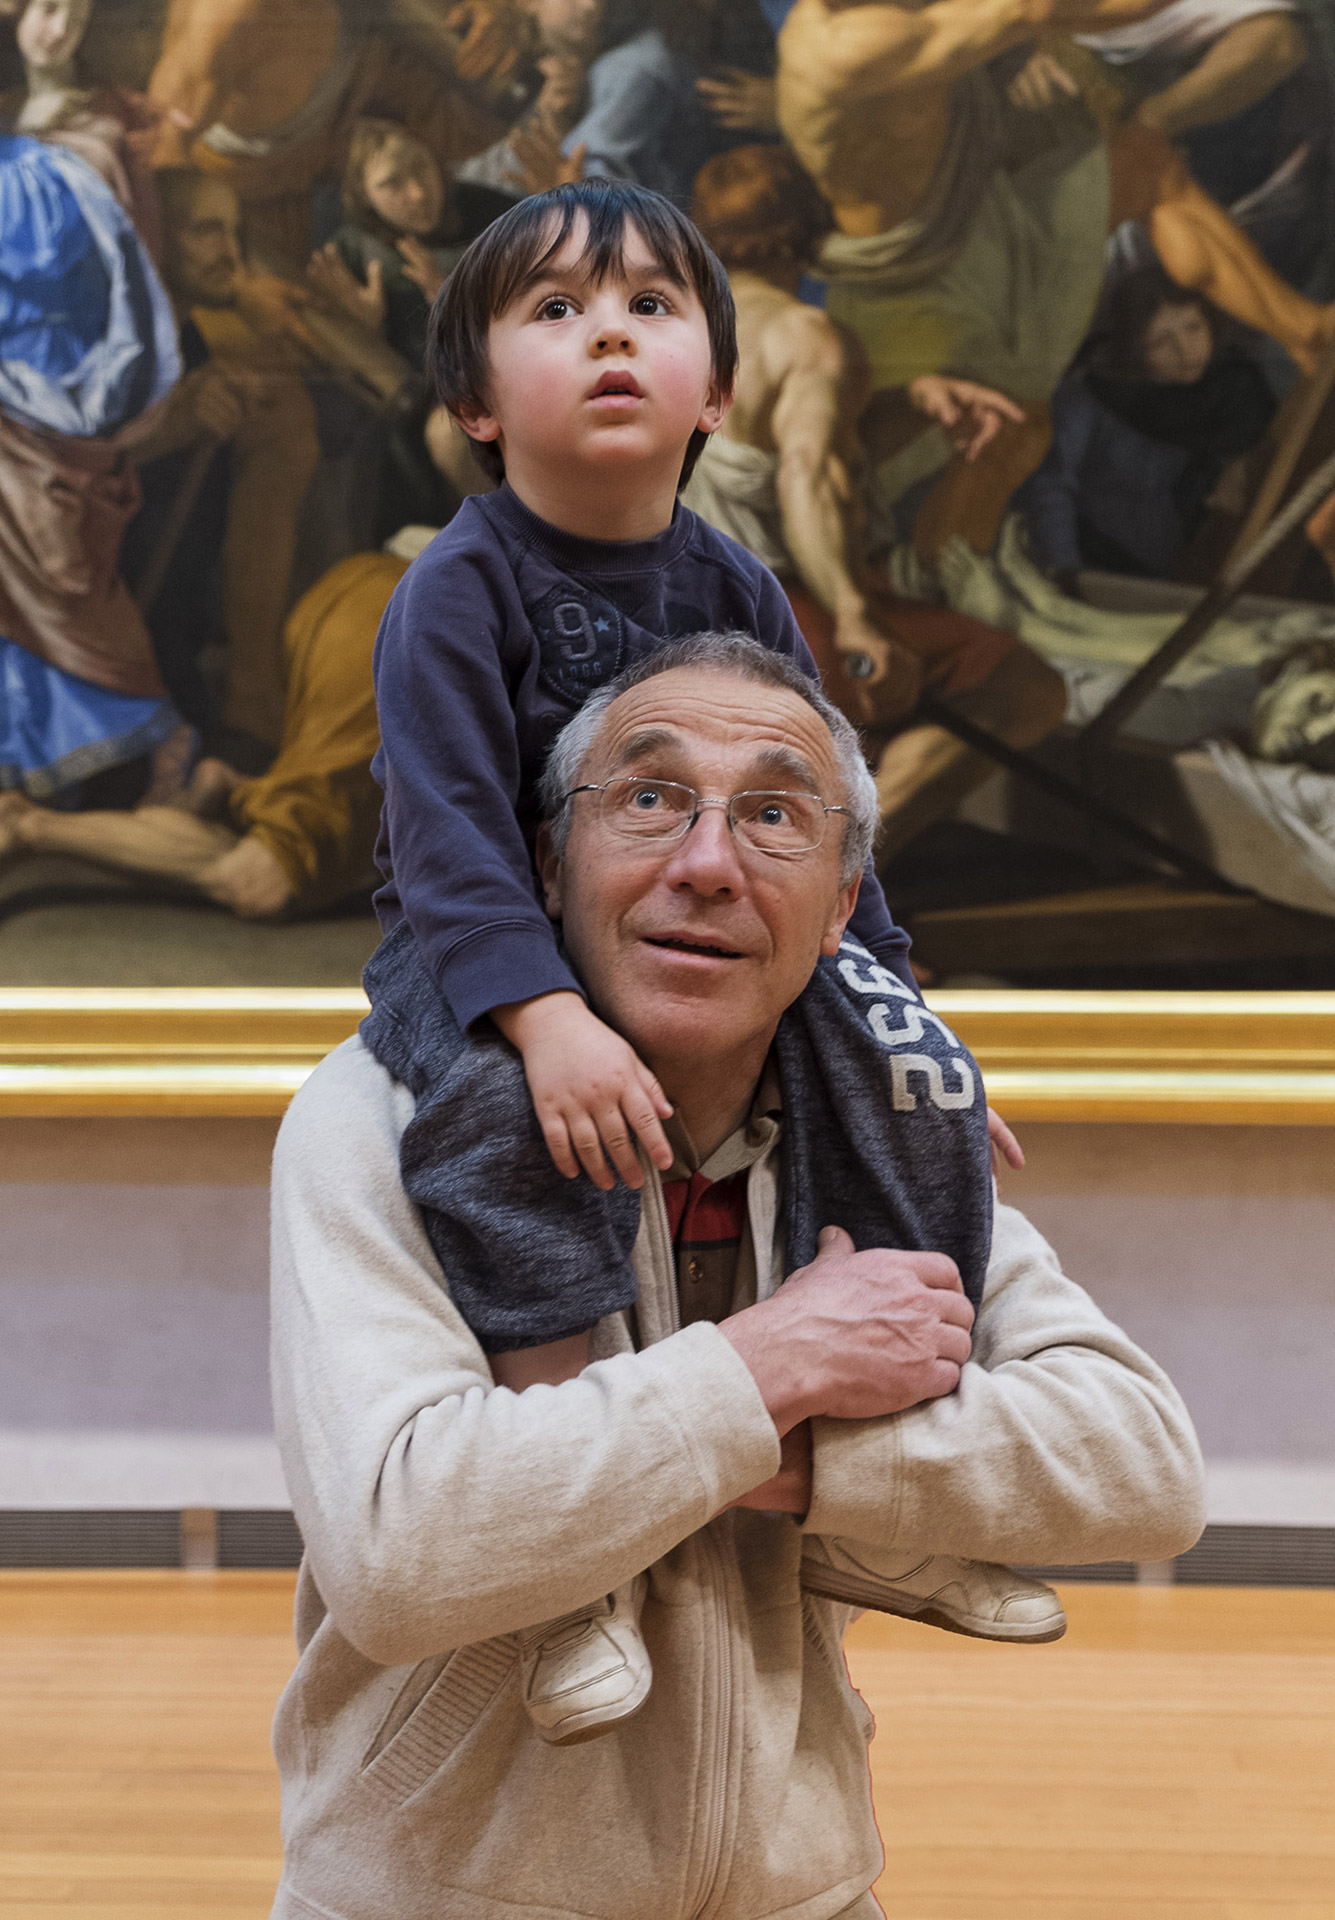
[{"x": 739, "y": 654}]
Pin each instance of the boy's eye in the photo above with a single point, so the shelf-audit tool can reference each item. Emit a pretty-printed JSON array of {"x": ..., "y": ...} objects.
[
  {"x": 555, "y": 309},
  {"x": 649, "y": 303}
]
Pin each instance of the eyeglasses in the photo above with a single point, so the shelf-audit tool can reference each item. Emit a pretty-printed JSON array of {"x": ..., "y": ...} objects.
[{"x": 661, "y": 810}]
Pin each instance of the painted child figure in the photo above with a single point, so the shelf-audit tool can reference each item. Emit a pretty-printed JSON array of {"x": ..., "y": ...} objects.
[{"x": 586, "y": 344}]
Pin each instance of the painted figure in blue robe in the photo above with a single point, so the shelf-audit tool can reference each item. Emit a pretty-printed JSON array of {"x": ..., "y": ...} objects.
[{"x": 87, "y": 346}]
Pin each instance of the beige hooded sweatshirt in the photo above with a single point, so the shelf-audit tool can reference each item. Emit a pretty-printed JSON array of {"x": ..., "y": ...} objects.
[{"x": 441, "y": 1515}]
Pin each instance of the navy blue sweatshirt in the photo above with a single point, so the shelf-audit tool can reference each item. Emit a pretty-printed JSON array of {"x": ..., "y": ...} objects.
[{"x": 493, "y": 639}]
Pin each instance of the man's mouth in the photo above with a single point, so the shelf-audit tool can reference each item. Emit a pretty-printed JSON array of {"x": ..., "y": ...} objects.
[
  {"x": 624, "y": 385},
  {"x": 684, "y": 943}
]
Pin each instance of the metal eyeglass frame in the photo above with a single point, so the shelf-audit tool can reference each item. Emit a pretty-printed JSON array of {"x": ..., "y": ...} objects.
[{"x": 702, "y": 801}]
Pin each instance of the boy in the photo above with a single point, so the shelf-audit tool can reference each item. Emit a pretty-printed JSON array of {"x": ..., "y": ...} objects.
[{"x": 586, "y": 344}]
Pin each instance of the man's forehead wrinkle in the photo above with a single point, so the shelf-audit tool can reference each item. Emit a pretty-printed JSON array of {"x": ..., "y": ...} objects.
[
  {"x": 648, "y": 740},
  {"x": 701, "y": 713}
]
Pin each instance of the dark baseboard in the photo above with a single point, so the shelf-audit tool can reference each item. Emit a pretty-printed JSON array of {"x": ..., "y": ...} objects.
[{"x": 1227, "y": 1556}]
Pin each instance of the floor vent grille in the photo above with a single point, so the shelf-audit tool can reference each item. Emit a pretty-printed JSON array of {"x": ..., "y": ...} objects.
[
  {"x": 1227, "y": 1556},
  {"x": 100, "y": 1538},
  {"x": 264, "y": 1537},
  {"x": 1260, "y": 1557}
]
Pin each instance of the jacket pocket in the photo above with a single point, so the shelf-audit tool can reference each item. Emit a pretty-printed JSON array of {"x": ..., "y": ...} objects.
[
  {"x": 823, "y": 1624},
  {"x": 411, "y": 1747}
]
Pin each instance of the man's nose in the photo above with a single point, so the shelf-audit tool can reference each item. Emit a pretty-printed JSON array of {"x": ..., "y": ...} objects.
[{"x": 706, "y": 860}]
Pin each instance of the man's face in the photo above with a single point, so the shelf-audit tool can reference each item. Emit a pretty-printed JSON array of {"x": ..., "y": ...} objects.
[
  {"x": 204, "y": 248},
  {"x": 597, "y": 376},
  {"x": 692, "y": 949},
  {"x": 403, "y": 184}
]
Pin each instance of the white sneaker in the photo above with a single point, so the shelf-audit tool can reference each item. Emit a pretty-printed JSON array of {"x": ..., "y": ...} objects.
[
  {"x": 963, "y": 1596},
  {"x": 583, "y": 1674}
]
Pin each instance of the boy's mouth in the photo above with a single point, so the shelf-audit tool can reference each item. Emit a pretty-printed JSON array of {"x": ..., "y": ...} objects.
[{"x": 620, "y": 385}]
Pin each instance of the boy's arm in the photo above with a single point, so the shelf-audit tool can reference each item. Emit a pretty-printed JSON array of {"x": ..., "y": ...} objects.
[
  {"x": 872, "y": 922},
  {"x": 450, "y": 767}
]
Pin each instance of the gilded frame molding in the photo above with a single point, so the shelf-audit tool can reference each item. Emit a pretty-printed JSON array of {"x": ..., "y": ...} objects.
[{"x": 1212, "y": 1059}]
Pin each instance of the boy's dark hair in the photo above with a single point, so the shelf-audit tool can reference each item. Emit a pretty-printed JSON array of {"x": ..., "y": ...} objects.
[{"x": 510, "y": 256}]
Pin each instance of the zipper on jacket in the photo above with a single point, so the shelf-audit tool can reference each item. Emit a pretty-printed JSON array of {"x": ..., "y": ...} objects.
[{"x": 716, "y": 1735}]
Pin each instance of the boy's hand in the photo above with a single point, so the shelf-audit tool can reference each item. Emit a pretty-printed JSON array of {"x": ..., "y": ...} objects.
[
  {"x": 1005, "y": 1147},
  {"x": 591, "y": 1091}
]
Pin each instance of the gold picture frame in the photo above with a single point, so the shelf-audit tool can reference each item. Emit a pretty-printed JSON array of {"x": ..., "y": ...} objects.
[{"x": 1207, "y": 1059}]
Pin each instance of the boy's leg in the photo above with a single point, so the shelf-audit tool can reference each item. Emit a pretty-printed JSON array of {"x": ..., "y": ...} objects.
[
  {"x": 531, "y": 1261},
  {"x": 897, "y": 1108},
  {"x": 973, "y": 1597}
]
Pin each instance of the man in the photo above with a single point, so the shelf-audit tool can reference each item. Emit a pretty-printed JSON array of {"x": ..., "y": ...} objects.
[
  {"x": 778, "y": 475},
  {"x": 950, "y": 256},
  {"x": 715, "y": 1449}
]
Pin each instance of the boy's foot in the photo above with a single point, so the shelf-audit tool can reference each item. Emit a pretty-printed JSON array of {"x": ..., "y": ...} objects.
[
  {"x": 963, "y": 1596},
  {"x": 583, "y": 1674}
]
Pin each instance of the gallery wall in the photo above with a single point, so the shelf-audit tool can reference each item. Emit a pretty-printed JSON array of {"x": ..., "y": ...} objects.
[{"x": 133, "y": 1277}]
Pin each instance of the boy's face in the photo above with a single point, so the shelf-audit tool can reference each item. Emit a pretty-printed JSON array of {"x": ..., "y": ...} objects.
[{"x": 609, "y": 377}]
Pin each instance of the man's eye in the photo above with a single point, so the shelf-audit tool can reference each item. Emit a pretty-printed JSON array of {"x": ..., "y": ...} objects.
[{"x": 645, "y": 799}]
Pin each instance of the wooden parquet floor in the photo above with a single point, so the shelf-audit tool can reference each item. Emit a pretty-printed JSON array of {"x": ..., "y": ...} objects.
[{"x": 1173, "y": 1756}]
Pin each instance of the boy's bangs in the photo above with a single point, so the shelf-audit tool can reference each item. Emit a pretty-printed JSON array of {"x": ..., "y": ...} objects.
[{"x": 604, "y": 247}]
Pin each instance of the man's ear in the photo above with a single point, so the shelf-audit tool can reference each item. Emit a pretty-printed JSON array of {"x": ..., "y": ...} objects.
[
  {"x": 842, "y": 913},
  {"x": 717, "y": 402},
  {"x": 549, "y": 869}
]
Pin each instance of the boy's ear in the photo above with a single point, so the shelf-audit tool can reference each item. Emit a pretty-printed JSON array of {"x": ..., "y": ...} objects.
[
  {"x": 549, "y": 870},
  {"x": 477, "y": 424},
  {"x": 717, "y": 402}
]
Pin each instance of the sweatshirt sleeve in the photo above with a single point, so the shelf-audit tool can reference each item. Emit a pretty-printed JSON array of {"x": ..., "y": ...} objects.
[
  {"x": 450, "y": 767},
  {"x": 1063, "y": 1443},
  {"x": 437, "y": 1509},
  {"x": 872, "y": 922}
]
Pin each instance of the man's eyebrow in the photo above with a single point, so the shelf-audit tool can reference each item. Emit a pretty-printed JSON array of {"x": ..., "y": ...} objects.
[
  {"x": 788, "y": 762},
  {"x": 647, "y": 740}
]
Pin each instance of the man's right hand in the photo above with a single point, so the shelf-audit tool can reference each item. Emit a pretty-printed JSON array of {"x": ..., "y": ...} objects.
[{"x": 856, "y": 1335}]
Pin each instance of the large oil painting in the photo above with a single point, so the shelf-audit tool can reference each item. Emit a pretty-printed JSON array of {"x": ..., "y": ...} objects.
[{"x": 1035, "y": 423}]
